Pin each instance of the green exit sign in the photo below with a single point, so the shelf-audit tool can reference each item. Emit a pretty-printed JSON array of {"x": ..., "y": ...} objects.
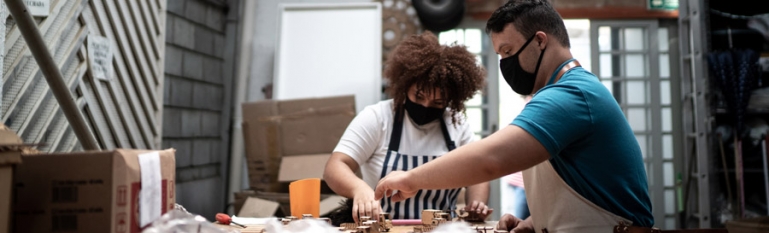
[{"x": 663, "y": 4}]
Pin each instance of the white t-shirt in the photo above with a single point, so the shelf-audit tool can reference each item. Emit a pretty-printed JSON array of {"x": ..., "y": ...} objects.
[{"x": 367, "y": 138}]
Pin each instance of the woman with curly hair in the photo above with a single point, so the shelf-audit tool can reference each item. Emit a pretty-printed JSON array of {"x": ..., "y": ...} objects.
[{"x": 429, "y": 84}]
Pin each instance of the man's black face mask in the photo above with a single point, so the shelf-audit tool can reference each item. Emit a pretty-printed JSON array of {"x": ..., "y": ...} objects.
[{"x": 520, "y": 81}]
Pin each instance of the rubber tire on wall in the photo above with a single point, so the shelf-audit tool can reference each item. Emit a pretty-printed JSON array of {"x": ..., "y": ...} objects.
[{"x": 445, "y": 15}]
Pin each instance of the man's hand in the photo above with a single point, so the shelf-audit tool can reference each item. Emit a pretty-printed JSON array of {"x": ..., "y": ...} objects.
[
  {"x": 479, "y": 208},
  {"x": 510, "y": 223},
  {"x": 364, "y": 204},
  {"x": 395, "y": 181}
]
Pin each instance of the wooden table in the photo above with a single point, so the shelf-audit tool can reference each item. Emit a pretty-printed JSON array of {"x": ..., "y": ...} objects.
[{"x": 395, "y": 229}]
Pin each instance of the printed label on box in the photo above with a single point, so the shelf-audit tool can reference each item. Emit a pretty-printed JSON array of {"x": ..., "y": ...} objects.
[
  {"x": 122, "y": 223},
  {"x": 135, "y": 190},
  {"x": 121, "y": 195}
]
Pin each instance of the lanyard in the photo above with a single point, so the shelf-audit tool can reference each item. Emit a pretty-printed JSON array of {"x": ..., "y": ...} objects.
[{"x": 562, "y": 69}]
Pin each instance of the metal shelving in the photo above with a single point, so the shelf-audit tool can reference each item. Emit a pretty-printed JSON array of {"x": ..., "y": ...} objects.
[{"x": 696, "y": 116}]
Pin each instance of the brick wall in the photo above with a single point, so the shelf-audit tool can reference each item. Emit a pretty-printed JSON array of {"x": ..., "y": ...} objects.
[{"x": 200, "y": 45}]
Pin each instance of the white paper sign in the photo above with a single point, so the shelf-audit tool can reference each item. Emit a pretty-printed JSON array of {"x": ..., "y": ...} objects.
[
  {"x": 38, "y": 7},
  {"x": 100, "y": 57},
  {"x": 150, "y": 202}
]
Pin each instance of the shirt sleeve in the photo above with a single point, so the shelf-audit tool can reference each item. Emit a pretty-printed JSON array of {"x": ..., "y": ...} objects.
[
  {"x": 466, "y": 134},
  {"x": 556, "y": 117},
  {"x": 362, "y": 137}
]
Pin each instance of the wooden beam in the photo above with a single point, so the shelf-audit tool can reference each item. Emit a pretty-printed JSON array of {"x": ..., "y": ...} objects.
[
  {"x": 37, "y": 46},
  {"x": 601, "y": 13},
  {"x": 615, "y": 13}
]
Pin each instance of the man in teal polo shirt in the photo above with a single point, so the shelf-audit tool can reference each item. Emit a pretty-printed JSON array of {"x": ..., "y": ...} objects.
[{"x": 583, "y": 168}]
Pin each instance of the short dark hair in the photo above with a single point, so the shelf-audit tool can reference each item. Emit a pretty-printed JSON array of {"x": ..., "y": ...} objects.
[
  {"x": 529, "y": 16},
  {"x": 420, "y": 60}
]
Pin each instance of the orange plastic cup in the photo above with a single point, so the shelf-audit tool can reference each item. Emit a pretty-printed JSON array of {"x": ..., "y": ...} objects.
[{"x": 304, "y": 197}]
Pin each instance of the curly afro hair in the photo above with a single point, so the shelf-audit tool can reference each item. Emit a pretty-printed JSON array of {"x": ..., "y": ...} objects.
[
  {"x": 343, "y": 214},
  {"x": 420, "y": 60}
]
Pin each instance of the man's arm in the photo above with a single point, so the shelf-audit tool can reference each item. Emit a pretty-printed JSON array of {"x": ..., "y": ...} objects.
[{"x": 509, "y": 150}]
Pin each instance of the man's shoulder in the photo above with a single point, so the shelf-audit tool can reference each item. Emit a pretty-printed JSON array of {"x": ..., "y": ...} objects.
[
  {"x": 580, "y": 76},
  {"x": 584, "y": 83}
]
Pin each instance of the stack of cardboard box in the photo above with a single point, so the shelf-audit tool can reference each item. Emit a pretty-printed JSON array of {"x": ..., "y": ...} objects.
[
  {"x": 96, "y": 191},
  {"x": 10, "y": 155},
  {"x": 291, "y": 139}
]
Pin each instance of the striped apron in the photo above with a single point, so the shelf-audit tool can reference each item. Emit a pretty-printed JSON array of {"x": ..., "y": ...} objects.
[{"x": 443, "y": 199}]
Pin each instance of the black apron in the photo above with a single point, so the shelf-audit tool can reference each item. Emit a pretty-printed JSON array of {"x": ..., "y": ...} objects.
[{"x": 444, "y": 199}]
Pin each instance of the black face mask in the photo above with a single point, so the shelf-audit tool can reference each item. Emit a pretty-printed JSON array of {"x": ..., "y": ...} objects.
[
  {"x": 421, "y": 114},
  {"x": 521, "y": 81}
]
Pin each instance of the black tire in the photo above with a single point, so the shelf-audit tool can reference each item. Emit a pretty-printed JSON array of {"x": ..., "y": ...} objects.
[{"x": 439, "y": 15}]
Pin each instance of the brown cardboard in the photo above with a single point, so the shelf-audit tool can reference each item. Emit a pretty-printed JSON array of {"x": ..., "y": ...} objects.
[
  {"x": 10, "y": 154},
  {"x": 310, "y": 126},
  {"x": 276, "y": 129},
  {"x": 302, "y": 167},
  {"x": 6, "y": 173},
  {"x": 328, "y": 202},
  {"x": 258, "y": 208},
  {"x": 86, "y": 191},
  {"x": 748, "y": 225}
]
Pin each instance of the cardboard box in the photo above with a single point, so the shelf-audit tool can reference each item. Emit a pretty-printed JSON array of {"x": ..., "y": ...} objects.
[
  {"x": 10, "y": 155},
  {"x": 299, "y": 167},
  {"x": 93, "y": 191},
  {"x": 328, "y": 203},
  {"x": 748, "y": 225},
  {"x": 276, "y": 129}
]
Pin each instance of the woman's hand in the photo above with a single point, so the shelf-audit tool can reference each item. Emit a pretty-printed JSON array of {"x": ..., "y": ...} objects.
[
  {"x": 364, "y": 204},
  {"x": 510, "y": 223},
  {"x": 479, "y": 208}
]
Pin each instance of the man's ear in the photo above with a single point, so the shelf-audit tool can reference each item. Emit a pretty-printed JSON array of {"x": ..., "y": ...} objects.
[{"x": 542, "y": 39}]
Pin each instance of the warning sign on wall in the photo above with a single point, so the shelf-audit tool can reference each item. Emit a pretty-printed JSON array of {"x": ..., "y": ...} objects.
[
  {"x": 38, "y": 7},
  {"x": 663, "y": 4},
  {"x": 100, "y": 57}
]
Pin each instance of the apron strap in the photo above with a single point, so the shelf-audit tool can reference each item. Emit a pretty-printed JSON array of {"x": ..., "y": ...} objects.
[
  {"x": 449, "y": 143},
  {"x": 395, "y": 135}
]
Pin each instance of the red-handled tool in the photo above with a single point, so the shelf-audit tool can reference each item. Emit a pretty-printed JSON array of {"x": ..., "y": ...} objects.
[{"x": 226, "y": 220}]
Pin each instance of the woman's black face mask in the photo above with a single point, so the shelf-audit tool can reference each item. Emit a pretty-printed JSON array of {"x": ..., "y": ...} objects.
[{"x": 421, "y": 114}]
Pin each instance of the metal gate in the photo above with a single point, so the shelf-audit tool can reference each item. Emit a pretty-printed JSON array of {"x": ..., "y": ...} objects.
[{"x": 122, "y": 111}]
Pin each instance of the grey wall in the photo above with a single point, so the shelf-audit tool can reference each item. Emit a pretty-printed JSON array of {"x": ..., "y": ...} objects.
[
  {"x": 199, "y": 75},
  {"x": 263, "y": 46},
  {"x": 262, "y": 33}
]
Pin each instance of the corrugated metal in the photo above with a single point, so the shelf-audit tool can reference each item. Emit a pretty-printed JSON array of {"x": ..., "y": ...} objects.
[{"x": 124, "y": 112}]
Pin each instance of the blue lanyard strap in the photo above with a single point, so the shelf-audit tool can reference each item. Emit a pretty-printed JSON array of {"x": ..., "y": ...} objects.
[{"x": 565, "y": 66}]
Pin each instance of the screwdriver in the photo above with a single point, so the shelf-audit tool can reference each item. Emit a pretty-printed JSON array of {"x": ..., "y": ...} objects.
[{"x": 226, "y": 220}]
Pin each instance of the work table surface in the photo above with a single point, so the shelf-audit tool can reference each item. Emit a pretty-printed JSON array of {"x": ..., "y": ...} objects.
[{"x": 395, "y": 229}]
